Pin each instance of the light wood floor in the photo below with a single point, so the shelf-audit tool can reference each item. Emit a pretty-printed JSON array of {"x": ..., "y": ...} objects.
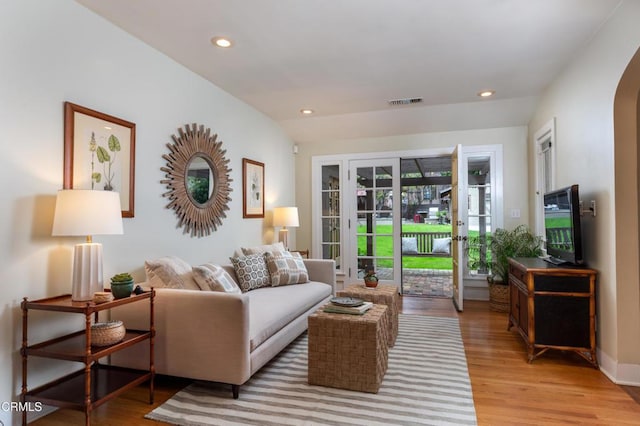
[{"x": 558, "y": 388}]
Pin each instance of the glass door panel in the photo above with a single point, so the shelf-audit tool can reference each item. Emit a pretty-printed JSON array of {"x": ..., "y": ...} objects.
[
  {"x": 479, "y": 201},
  {"x": 375, "y": 227},
  {"x": 331, "y": 213}
]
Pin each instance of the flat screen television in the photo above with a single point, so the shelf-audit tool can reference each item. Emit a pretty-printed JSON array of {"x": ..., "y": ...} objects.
[{"x": 562, "y": 226}]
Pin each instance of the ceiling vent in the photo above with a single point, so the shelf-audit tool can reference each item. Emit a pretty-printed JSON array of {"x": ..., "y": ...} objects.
[{"x": 407, "y": 101}]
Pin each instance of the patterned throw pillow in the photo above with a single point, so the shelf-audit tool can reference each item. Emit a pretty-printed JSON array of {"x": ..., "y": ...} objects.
[
  {"x": 286, "y": 268},
  {"x": 214, "y": 278},
  {"x": 170, "y": 272},
  {"x": 267, "y": 248},
  {"x": 251, "y": 271}
]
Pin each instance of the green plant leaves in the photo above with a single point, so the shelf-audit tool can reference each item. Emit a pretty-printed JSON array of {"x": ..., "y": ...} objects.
[
  {"x": 103, "y": 154},
  {"x": 519, "y": 242},
  {"x": 114, "y": 144},
  {"x": 96, "y": 177}
]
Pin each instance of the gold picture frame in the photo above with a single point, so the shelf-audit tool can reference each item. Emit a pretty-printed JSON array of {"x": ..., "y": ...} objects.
[
  {"x": 99, "y": 153},
  {"x": 252, "y": 189}
]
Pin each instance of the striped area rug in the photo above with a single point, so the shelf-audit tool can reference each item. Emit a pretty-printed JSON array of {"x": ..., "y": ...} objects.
[{"x": 427, "y": 383}]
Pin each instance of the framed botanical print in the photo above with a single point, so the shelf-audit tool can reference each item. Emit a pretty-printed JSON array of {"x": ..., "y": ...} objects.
[
  {"x": 99, "y": 153},
  {"x": 252, "y": 189}
]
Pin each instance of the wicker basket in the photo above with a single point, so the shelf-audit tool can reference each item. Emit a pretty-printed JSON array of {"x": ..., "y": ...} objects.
[
  {"x": 107, "y": 333},
  {"x": 499, "y": 297}
]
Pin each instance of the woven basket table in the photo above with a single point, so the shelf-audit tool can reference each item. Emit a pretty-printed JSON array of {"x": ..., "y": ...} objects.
[
  {"x": 383, "y": 294},
  {"x": 348, "y": 351}
]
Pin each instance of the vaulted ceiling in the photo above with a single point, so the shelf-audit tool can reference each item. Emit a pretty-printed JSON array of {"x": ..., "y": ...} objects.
[{"x": 345, "y": 59}]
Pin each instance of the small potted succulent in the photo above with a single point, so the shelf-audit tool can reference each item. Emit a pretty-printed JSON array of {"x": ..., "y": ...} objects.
[
  {"x": 121, "y": 285},
  {"x": 371, "y": 279}
]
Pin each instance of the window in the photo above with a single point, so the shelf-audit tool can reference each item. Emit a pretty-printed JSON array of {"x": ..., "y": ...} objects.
[{"x": 544, "y": 140}]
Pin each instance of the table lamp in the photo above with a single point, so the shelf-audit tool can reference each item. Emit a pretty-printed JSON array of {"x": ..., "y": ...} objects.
[
  {"x": 283, "y": 217},
  {"x": 87, "y": 212}
]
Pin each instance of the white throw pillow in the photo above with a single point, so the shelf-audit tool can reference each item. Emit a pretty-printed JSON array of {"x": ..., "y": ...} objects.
[
  {"x": 286, "y": 268},
  {"x": 214, "y": 278},
  {"x": 409, "y": 245},
  {"x": 442, "y": 245},
  {"x": 251, "y": 271},
  {"x": 170, "y": 272},
  {"x": 266, "y": 248}
]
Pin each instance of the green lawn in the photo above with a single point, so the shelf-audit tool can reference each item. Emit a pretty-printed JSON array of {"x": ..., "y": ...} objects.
[{"x": 385, "y": 246}]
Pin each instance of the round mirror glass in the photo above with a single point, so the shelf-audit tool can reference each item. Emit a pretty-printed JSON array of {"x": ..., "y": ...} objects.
[{"x": 199, "y": 180}]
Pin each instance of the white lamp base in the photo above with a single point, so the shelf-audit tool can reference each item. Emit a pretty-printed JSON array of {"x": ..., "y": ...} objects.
[
  {"x": 283, "y": 236},
  {"x": 87, "y": 271}
]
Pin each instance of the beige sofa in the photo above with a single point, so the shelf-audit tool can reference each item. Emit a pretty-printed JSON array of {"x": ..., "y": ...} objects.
[{"x": 222, "y": 337}]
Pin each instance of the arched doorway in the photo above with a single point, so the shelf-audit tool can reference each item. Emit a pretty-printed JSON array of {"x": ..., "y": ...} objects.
[{"x": 627, "y": 207}]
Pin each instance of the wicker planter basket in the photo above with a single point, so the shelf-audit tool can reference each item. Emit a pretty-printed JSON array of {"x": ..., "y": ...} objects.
[
  {"x": 107, "y": 333},
  {"x": 498, "y": 297}
]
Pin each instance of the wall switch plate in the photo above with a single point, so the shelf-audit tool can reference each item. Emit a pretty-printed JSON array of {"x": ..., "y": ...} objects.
[{"x": 515, "y": 213}]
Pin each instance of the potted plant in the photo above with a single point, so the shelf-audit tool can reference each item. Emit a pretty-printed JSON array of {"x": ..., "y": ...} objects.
[
  {"x": 121, "y": 285},
  {"x": 519, "y": 242},
  {"x": 371, "y": 279}
]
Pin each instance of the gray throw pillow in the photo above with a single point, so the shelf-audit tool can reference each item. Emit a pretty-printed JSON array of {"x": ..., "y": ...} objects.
[{"x": 251, "y": 272}]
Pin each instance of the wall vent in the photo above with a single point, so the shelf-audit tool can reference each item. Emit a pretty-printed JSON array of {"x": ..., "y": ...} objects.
[{"x": 406, "y": 101}]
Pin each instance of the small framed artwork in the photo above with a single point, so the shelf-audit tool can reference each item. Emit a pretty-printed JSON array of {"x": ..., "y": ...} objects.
[
  {"x": 252, "y": 189},
  {"x": 99, "y": 153}
]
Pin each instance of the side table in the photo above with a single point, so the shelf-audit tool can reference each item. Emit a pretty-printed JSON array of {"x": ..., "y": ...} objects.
[
  {"x": 348, "y": 351},
  {"x": 96, "y": 383},
  {"x": 383, "y": 294}
]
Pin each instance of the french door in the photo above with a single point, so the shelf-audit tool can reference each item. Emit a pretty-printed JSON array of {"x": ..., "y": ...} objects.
[
  {"x": 458, "y": 224},
  {"x": 374, "y": 219},
  {"x": 357, "y": 219}
]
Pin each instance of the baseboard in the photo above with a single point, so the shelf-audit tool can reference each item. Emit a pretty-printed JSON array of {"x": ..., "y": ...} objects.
[
  {"x": 473, "y": 292},
  {"x": 620, "y": 374}
]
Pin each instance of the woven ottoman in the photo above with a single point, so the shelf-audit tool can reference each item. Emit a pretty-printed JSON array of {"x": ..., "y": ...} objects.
[
  {"x": 383, "y": 294},
  {"x": 348, "y": 351}
]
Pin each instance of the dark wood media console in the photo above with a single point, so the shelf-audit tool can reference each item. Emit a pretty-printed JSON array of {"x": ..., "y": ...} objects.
[{"x": 553, "y": 307}]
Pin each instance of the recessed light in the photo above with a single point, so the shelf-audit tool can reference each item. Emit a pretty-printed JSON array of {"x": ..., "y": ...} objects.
[
  {"x": 486, "y": 93},
  {"x": 222, "y": 42},
  {"x": 306, "y": 111}
]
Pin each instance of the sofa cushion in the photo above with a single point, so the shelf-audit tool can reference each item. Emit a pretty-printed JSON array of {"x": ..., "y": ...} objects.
[
  {"x": 214, "y": 278},
  {"x": 271, "y": 309},
  {"x": 286, "y": 268},
  {"x": 442, "y": 245},
  {"x": 409, "y": 245},
  {"x": 251, "y": 272},
  {"x": 170, "y": 272},
  {"x": 266, "y": 248}
]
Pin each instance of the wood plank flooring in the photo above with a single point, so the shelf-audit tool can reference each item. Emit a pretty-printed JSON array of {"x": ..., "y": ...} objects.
[{"x": 556, "y": 389}]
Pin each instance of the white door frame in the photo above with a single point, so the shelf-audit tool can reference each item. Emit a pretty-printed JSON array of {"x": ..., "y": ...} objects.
[{"x": 476, "y": 287}]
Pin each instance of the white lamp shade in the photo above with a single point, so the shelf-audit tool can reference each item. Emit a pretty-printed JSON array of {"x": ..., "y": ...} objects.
[
  {"x": 285, "y": 216},
  {"x": 87, "y": 212}
]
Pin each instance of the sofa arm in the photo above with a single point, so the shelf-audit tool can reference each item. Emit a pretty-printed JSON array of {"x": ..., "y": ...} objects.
[
  {"x": 199, "y": 334},
  {"x": 322, "y": 270}
]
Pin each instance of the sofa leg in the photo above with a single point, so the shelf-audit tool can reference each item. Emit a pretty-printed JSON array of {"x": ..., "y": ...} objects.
[{"x": 235, "y": 389}]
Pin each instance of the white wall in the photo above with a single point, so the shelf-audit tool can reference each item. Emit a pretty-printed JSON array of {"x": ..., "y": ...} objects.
[
  {"x": 512, "y": 139},
  {"x": 581, "y": 100},
  {"x": 59, "y": 51}
]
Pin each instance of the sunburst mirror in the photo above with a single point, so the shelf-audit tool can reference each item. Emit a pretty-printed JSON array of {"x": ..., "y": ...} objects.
[{"x": 198, "y": 180}]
